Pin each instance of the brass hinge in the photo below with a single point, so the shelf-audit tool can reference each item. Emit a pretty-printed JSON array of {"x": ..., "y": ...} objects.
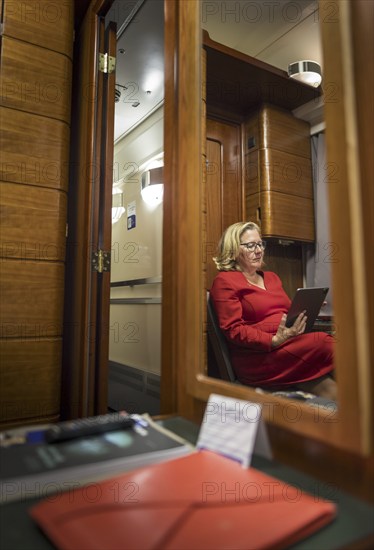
[
  {"x": 107, "y": 63},
  {"x": 101, "y": 261}
]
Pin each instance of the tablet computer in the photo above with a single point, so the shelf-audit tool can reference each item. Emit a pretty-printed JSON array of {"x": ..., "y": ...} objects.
[{"x": 309, "y": 300}]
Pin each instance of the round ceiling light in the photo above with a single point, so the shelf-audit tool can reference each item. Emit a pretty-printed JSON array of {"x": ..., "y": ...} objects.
[{"x": 308, "y": 72}]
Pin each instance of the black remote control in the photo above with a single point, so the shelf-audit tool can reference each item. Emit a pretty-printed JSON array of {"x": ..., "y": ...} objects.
[{"x": 92, "y": 425}]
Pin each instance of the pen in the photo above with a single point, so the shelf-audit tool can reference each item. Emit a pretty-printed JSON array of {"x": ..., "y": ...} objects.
[{"x": 139, "y": 420}]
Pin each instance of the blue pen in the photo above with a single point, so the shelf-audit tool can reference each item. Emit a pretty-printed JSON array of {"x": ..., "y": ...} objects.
[{"x": 140, "y": 421}]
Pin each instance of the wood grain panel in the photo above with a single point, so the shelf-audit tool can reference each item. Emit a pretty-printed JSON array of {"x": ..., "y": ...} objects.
[
  {"x": 214, "y": 208},
  {"x": 203, "y": 100},
  {"x": 29, "y": 378},
  {"x": 362, "y": 17},
  {"x": 252, "y": 134},
  {"x": 36, "y": 21},
  {"x": 351, "y": 215},
  {"x": 76, "y": 355},
  {"x": 253, "y": 209},
  {"x": 280, "y": 130},
  {"x": 282, "y": 215},
  {"x": 286, "y": 261},
  {"x": 278, "y": 174},
  {"x": 35, "y": 149},
  {"x": 252, "y": 184},
  {"x": 33, "y": 221},
  {"x": 32, "y": 295},
  {"x": 286, "y": 173},
  {"x": 203, "y": 125},
  {"x": 35, "y": 79},
  {"x": 231, "y": 170}
]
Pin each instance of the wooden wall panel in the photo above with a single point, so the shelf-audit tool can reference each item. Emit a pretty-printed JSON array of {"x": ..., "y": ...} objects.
[
  {"x": 229, "y": 136},
  {"x": 278, "y": 129},
  {"x": 42, "y": 22},
  {"x": 32, "y": 222},
  {"x": 223, "y": 188},
  {"x": 34, "y": 149},
  {"x": 282, "y": 215},
  {"x": 30, "y": 390},
  {"x": 36, "y": 67},
  {"x": 32, "y": 298},
  {"x": 35, "y": 79},
  {"x": 285, "y": 173},
  {"x": 362, "y": 17},
  {"x": 214, "y": 208},
  {"x": 286, "y": 261}
]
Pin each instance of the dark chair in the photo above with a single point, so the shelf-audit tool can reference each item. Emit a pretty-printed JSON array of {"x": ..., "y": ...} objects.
[{"x": 219, "y": 345}]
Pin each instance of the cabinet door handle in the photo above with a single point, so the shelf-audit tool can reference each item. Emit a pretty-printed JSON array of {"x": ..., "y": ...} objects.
[{"x": 258, "y": 213}]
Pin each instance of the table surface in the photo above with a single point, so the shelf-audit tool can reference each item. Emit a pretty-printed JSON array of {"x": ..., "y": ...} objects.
[{"x": 354, "y": 521}]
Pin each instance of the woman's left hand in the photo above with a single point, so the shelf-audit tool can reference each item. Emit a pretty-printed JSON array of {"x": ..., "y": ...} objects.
[{"x": 284, "y": 333}]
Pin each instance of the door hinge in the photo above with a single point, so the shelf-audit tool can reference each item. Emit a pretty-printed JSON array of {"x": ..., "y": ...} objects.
[
  {"x": 101, "y": 261},
  {"x": 107, "y": 63}
]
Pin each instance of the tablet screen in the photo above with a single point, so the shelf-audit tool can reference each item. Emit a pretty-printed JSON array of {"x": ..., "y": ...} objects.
[{"x": 309, "y": 300}]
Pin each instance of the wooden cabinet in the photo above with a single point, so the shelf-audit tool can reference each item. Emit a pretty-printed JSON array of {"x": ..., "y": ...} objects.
[
  {"x": 278, "y": 174},
  {"x": 277, "y": 188}
]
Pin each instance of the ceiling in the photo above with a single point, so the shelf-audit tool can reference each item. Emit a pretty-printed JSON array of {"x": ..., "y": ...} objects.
[{"x": 275, "y": 31}]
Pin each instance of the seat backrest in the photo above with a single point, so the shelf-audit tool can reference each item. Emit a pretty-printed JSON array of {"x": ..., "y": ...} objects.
[{"x": 219, "y": 345}]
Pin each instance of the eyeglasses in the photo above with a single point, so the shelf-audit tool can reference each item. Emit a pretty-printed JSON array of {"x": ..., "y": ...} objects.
[{"x": 252, "y": 246}]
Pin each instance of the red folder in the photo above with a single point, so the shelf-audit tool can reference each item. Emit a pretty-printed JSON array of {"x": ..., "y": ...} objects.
[{"x": 201, "y": 501}]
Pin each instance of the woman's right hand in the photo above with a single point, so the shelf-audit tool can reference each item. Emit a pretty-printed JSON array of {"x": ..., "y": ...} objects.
[{"x": 284, "y": 333}]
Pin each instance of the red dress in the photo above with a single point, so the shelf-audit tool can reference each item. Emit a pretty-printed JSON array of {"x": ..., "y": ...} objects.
[{"x": 249, "y": 316}]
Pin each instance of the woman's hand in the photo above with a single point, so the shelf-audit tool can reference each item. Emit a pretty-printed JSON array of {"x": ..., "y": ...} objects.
[{"x": 284, "y": 333}]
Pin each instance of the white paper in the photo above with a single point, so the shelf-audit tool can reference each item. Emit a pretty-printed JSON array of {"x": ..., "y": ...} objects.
[{"x": 234, "y": 428}]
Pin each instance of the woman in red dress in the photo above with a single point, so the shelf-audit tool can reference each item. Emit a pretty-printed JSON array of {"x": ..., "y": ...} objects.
[{"x": 251, "y": 307}]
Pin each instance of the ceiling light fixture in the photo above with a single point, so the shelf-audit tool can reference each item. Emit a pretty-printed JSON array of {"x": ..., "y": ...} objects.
[{"x": 308, "y": 72}]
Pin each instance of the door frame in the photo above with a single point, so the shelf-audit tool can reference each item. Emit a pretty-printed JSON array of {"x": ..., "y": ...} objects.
[{"x": 86, "y": 307}]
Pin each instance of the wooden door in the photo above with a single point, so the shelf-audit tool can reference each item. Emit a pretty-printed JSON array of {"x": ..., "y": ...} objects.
[
  {"x": 223, "y": 186},
  {"x": 86, "y": 322},
  {"x": 103, "y": 236}
]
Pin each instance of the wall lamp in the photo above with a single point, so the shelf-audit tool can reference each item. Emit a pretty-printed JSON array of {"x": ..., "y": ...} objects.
[
  {"x": 153, "y": 185},
  {"x": 308, "y": 72},
  {"x": 117, "y": 92},
  {"x": 117, "y": 204}
]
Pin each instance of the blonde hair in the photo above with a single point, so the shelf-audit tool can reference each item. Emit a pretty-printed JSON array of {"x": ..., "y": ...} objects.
[{"x": 229, "y": 245}]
